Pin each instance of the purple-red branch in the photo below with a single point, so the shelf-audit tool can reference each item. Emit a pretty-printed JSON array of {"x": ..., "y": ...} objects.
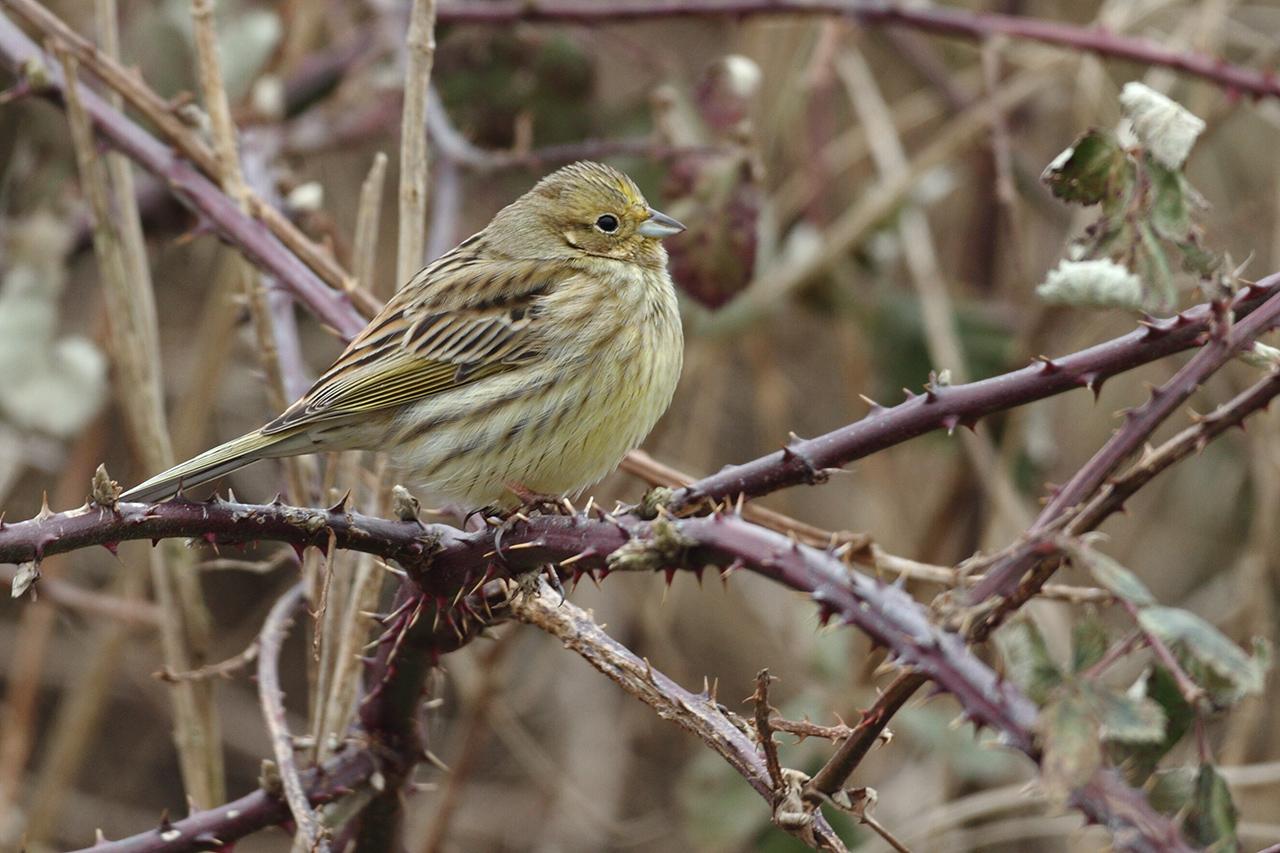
[
  {"x": 962, "y": 405},
  {"x": 217, "y": 827},
  {"x": 941, "y": 20},
  {"x": 193, "y": 189},
  {"x": 1225, "y": 341},
  {"x": 447, "y": 564}
]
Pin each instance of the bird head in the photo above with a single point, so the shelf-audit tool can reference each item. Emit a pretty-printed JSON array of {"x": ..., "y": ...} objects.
[{"x": 593, "y": 209}]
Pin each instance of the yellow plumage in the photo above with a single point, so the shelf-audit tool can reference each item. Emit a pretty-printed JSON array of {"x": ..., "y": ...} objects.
[{"x": 535, "y": 354}]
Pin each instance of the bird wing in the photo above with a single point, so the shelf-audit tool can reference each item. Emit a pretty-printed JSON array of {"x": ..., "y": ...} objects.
[{"x": 459, "y": 320}]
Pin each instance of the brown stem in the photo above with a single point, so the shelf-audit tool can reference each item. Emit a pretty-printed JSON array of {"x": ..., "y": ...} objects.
[
  {"x": 274, "y": 629},
  {"x": 836, "y": 772},
  {"x": 191, "y": 187}
]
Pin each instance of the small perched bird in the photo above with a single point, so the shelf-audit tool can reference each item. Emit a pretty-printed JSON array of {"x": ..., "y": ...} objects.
[{"x": 527, "y": 360}]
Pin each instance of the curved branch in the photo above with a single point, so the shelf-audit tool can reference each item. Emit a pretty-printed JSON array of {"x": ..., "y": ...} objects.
[
  {"x": 697, "y": 713},
  {"x": 193, "y": 189},
  {"x": 448, "y": 564},
  {"x": 940, "y": 20},
  {"x": 218, "y": 827},
  {"x": 270, "y": 641}
]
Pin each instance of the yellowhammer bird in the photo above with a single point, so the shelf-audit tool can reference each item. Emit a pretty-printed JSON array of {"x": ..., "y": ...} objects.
[{"x": 533, "y": 355}]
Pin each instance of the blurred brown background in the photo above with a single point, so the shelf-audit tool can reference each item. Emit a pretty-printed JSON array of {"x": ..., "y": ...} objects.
[{"x": 548, "y": 755}]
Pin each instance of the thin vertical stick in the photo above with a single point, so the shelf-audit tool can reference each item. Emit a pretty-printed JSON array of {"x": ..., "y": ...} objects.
[
  {"x": 232, "y": 178},
  {"x": 336, "y": 705},
  {"x": 364, "y": 255},
  {"x": 421, "y": 47},
  {"x": 937, "y": 313},
  {"x": 185, "y": 630}
]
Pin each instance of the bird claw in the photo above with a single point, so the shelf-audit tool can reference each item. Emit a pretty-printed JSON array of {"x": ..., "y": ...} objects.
[
  {"x": 540, "y": 501},
  {"x": 553, "y": 579}
]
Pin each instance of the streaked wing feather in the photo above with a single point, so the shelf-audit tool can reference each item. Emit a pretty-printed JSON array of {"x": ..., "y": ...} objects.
[{"x": 460, "y": 320}]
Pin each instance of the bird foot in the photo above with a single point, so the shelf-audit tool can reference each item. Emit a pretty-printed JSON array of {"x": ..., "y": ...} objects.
[{"x": 540, "y": 501}]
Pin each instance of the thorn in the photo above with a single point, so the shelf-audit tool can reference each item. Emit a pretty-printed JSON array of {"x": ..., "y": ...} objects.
[
  {"x": 341, "y": 506},
  {"x": 113, "y": 547},
  {"x": 1093, "y": 381},
  {"x": 553, "y": 580},
  {"x": 671, "y": 574},
  {"x": 45, "y": 512},
  {"x": 1155, "y": 328},
  {"x": 875, "y": 408},
  {"x": 277, "y": 500},
  {"x": 697, "y": 573},
  {"x": 951, "y": 422},
  {"x": 299, "y": 548},
  {"x": 1047, "y": 365}
]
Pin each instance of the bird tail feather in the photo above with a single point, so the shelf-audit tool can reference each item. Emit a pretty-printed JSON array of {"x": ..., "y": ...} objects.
[{"x": 212, "y": 464}]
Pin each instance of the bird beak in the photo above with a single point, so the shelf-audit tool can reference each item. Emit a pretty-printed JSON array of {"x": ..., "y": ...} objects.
[{"x": 659, "y": 225}]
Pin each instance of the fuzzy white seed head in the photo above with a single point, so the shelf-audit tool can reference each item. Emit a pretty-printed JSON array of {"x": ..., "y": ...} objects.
[
  {"x": 1094, "y": 284},
  {"x": 1166, "y": 128}
]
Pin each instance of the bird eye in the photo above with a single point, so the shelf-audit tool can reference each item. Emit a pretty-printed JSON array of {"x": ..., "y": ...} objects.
[{"x": 607, "y": 223}]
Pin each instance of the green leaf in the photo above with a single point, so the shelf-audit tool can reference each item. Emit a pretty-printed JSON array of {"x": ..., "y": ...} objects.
[
  {"x": 1069, "y": 735},
  {"x": 1112, "y": 576},
  {"x": 1154, "y": 264},
  {"x": 1125, "y": 718},
  {"x": 1140, "y": 760},
  {"x": 1170, "y": 205},
  {"x": 1026, "y": 659},
  {"x": 1197, "y": 259},
  {"x": 1211, "y": 822},
  {"x": 1087, "y": 172},
  {"x": 1088, "y": 643},
  {"x": 1203, "y": 642},
  {"x": 1170, "y": 791}
]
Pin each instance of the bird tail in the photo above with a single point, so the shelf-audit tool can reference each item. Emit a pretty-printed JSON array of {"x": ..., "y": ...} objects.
[{"x": 212, "y": 464}]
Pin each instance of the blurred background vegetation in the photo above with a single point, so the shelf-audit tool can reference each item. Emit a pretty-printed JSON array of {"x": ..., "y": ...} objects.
[{"x": 765, "y": 156}]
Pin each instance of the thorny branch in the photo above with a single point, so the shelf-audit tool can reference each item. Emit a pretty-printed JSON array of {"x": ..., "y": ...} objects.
[
  {"x": 949, "y": 407},
  {"x": 803, "y": 461},
  {"x": 698, "y": 713},
  {"x": 1225, "y": 340},
  {"x": 448, "y": 565},
  {"x": 1109, "y": 500}
]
